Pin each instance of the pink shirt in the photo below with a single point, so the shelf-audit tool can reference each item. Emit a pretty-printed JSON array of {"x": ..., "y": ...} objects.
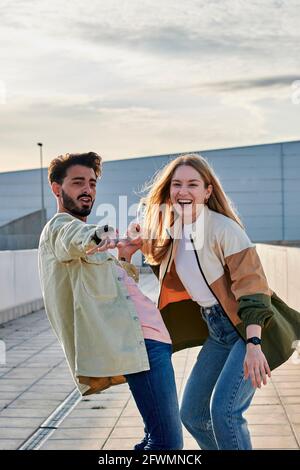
[{"x": 150, "y": 318}]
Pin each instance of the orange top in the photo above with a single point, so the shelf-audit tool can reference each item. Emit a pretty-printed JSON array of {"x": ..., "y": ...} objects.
[{"x": 172, "y": 289}]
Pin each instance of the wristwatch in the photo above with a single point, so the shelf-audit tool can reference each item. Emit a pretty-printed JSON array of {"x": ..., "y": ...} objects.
[
  {"x": 254, "y": 340},
  {"x": 96, "y": 239},
  {"x": 102, "y": 233}
]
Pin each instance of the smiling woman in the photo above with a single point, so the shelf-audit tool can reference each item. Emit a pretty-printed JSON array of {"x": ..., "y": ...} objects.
[
  {"x": 214, "y": 293},
  {"x": 188, "y": 192},
  {"x": 186, "y": 179}
]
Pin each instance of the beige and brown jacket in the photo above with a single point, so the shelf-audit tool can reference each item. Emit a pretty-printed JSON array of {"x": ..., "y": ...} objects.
[{"x": 231, "y": 267}]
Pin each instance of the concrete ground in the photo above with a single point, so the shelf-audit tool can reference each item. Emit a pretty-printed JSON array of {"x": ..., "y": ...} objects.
[{"x": 35, "y": 380}]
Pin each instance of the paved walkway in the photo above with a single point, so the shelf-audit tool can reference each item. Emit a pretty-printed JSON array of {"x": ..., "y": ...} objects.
[{"x": 35, "y": 380}]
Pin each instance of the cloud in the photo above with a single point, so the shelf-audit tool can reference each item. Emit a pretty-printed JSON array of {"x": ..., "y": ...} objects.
[
  {"x": 266, "y": 82},
  {"x": 166, "y": 40},
  {"x": 259, "y": 83},
  {"x": 171, "y": 28},
  {"x": 146, "y": 76}
]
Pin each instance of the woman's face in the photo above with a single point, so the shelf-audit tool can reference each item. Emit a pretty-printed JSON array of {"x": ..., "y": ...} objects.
[{"x": 187, "y": 191}]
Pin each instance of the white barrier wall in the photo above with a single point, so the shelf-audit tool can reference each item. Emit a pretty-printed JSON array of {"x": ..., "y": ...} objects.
[
  {"x": 19, "y": 284},
  {"x": 21, "y": 292},
  {"x": 282, "y": 268}
]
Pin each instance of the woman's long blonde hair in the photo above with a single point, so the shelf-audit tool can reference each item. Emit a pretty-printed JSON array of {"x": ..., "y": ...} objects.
[{"x": 158, "y": 214}]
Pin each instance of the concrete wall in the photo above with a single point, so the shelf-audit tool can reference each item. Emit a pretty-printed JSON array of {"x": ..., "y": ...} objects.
[
  {"x": 282, "y": 268},
  {"x": 23, "y": 233},
  {"x": 21, "y": 293},
  {"x": 19, "y": 283},
  {"x": 20, "y": 286}
]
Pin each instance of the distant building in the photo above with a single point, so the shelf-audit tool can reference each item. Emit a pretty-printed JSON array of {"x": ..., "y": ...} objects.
[{"x": 263, "y": 181}]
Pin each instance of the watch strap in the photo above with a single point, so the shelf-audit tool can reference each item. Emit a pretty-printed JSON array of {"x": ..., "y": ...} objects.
[{"x": 254, "y": 340}]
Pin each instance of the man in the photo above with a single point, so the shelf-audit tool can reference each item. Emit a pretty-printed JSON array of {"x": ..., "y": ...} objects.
[{"x": 110, "y": 332}]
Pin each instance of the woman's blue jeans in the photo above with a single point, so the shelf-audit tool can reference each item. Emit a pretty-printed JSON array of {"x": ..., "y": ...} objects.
[
  {"x": 154, "y": 392},
  {"x": 216, "y": 394}
]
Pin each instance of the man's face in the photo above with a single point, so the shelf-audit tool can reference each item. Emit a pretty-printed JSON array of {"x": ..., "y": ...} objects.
[{"x": 78, "y": 191}]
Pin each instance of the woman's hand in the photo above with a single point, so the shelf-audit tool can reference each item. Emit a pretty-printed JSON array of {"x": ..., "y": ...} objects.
[
  {"x": 134, "y": 231},
  {"x": 256, "y": 366},
  {"x": 128, "y": 247},
  {"x": 131, "y": 243}
]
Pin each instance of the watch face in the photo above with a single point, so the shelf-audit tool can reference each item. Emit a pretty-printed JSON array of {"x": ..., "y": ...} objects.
[{"x": 254, "y": 340}]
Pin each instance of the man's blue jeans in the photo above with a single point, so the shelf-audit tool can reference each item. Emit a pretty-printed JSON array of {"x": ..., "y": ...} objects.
[
  {"x": 216, "y": 394},
  {"x": 154, "y": 392}
]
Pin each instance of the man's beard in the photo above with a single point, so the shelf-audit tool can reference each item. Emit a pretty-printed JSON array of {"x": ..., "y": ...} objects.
[{"x": 71, "y": 206}]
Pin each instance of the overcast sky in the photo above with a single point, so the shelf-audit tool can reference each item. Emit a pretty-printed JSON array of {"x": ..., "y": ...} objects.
[{"x": 145, "y": 77}]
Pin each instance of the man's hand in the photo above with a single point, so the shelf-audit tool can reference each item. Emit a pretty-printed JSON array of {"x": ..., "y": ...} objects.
[
  {"x": 256, "y": 366},
  {"x": 106, "y": 244}
]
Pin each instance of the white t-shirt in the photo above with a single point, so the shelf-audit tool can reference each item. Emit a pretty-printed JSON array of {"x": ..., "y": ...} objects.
[{"x": 189, "y": 273}]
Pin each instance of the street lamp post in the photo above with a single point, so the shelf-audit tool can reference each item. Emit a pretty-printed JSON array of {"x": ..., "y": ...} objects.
[{"x": 43, "y": 221}]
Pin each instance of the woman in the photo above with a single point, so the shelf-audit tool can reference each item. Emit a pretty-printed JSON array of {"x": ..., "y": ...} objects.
[{"x": 213, "y": 292}]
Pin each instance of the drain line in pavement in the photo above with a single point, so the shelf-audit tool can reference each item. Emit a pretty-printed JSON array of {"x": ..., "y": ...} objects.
[{"x": 38, "y": 438}]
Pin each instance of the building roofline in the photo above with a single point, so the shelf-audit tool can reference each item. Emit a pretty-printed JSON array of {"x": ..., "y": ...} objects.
[
  {"x": 172, "y": 153},
  {"x": 209, "y": 150}
]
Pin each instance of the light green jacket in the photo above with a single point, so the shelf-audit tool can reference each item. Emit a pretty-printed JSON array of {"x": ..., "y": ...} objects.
[{"x": 88, "y": 307}]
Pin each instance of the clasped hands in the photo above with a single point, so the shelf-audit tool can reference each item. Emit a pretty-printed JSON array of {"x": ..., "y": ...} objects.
[{"x": 127, "y": 246}]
